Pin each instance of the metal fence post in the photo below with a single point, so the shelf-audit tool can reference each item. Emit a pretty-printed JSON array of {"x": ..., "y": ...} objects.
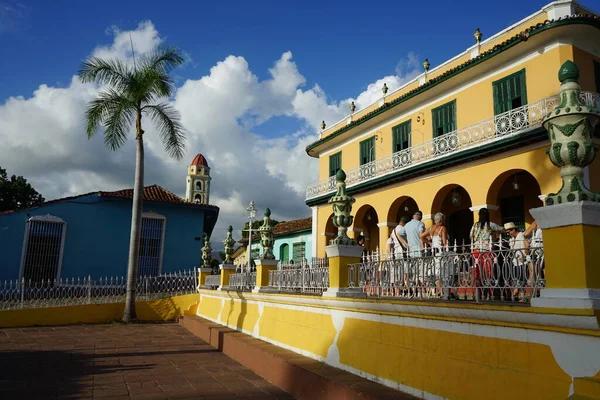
[
  {"x": 89, "y": 290},
  {"x": 22, "y": 291},
  {"x": 146, "y": 286}
]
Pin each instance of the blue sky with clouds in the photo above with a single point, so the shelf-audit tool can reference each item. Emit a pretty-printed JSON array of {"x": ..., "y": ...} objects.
[{"x": 261, "y": 76}]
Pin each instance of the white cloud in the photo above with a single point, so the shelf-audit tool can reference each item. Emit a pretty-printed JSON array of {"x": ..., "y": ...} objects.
[{"x": 44, "y": 136}]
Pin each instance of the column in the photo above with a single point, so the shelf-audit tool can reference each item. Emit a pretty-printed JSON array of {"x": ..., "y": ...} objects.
[
  {"x": 262, "y": 273},
  {"x": 202, "y": 274},
  {"x": 571, "y": 255},
  {"x": 340, "y": 257},
  {"x": 226, "y": 270}
]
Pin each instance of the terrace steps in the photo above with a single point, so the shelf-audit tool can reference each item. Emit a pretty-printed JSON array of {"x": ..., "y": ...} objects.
[{"x": 302, "y": 377}]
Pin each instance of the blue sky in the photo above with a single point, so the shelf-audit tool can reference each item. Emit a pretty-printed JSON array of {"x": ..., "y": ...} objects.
[{"x": 248, "y": 96}]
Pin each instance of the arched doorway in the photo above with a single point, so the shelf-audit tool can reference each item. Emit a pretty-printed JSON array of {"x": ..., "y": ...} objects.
[
  {"x": 455, "y": 203},
  {"x": 284, "y": 253},
  {"x": 366, "y": 219},
  {"x": 403, "y": 206},
  {"x": 515, "y": 192}
]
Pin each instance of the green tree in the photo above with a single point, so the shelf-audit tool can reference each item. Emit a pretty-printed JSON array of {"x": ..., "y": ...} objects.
[
  {"x": 16, "y": 193},
  {"x": 127, "y": 94}
]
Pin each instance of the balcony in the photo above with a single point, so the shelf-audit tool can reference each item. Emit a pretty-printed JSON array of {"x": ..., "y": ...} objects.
[{"x": 495, "y": 129}]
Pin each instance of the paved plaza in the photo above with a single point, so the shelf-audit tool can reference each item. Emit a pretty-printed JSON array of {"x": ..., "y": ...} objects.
[{"x": 114, "y": 361}]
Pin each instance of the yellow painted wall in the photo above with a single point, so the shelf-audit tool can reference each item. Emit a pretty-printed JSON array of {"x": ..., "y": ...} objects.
[
  {"x": 454, "y": 360},
  {"x": 155, "y": 310},
  {"x": 479, "y": 180}
]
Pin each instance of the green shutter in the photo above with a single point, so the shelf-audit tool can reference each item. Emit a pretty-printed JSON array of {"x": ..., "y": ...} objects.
[
  {"x": 335, "y": 163},
  {"x": 367, "y": 150},
  {"x": 284, "y": 253},
  {"x": 444, "y": 118},
  {"x": 509, "y": 92},
  {"x": 299, "y": 252},
  {"x": 401, "y": 136}
]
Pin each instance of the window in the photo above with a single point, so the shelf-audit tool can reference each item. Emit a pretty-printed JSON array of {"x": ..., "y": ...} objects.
[
  {"x": 401, "y": 136},
  {"x": 284, "y": 253},
  {"x": 43, "y": 248},
  {"x": 335, "y": 163},
  {"x": 198, "y": 185},
  {"x": 444, "y": 119},
  {"x": 367, "y": 150},
  {"x": 510, "y": 92},
  {"x": 299, "y": 252},
  {"x": 151, "y": 244}
]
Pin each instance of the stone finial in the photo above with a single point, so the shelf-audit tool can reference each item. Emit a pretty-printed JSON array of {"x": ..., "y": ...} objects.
[
  {"x": 342, "y": 206},
  {"x": 426, "y": 65},
  {"x": 352, "y": 107},
  {"x": 323, "y": 125},
  {"x": 477, "y": 35},
  {"x": 266, "y": 236},
  {"x": 228, "y": 244},
  {"x": 384, "y": 89},
  {"x": 206, "y": 252},
  {"x": 570, "y": 127}
]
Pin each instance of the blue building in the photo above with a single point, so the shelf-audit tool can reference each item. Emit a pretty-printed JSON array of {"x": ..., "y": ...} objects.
[{"x": 89, "y": 235}]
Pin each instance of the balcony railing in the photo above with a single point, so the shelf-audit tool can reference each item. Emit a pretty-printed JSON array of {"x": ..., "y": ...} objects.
[
  {"x": 213, "y": 281},
  {"x": 242, "y": 280},
  {"x": 493, "y": 129},
  {"x": 497, "y": 274}
]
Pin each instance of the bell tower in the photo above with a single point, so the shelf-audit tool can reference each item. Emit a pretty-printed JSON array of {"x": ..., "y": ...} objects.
[{"x": 197, "y": 185}]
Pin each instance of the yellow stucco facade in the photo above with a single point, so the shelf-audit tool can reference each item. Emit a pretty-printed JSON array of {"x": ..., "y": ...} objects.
[{"x": 508, "y": 180}]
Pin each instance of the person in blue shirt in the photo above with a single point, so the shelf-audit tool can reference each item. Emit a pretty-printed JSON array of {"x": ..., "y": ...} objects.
[{"x": 413, "y": 235}]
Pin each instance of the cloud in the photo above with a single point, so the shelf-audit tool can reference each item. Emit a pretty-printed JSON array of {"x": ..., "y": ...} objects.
[{"x": 44, "y": 136}]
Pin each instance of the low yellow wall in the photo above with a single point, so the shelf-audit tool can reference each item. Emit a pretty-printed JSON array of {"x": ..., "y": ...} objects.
[
  {"x": 422, "y": 356},
  {"x": 166, "y": 309}
]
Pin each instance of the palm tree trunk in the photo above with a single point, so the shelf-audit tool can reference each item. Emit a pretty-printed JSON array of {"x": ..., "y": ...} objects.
[{"x": 136, "y": 223}]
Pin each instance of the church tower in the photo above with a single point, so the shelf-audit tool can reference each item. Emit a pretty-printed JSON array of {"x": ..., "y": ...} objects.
[{"x": 197, "y": 185}]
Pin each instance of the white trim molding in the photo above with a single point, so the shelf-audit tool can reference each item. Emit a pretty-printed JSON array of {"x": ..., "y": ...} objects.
[
  {"x": 488, "y": 206},
  {"x": 153, "y": 215},
  {"x": 566, "y": 214},
  {"x": 327, "y": 234},
  {"x": 427, "y": 216},
  {"x": 355, "y": 230},
  {"x": 568, "y": 298},
  {"x": 314, "y": 231},
  {"x": 543, "y": 197},
  {"x": 43, "y": 219},
  {"x": 559, "y": 9}
]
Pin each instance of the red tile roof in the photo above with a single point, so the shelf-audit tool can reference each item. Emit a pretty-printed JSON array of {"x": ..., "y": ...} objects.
[
  {"x": 199, "y": 160},
  {"x": 285, "y": 228},
  {"x": 152, "y": 193}
]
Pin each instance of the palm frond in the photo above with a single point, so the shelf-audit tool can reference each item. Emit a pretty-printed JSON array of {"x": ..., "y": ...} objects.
[
  {"x": 167, "y": 120},
  {"x": 115, "y": 112},
  {"x": 162, "y": 60},
  {"x": 113, "y": 73}
]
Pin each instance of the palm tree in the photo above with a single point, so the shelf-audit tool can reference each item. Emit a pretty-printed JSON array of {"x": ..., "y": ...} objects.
[{"x": 127, "y": 94}]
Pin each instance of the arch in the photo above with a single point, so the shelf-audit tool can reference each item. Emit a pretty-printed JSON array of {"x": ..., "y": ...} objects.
[
  {"x": 366, "y": 218},
  {"x": 284, "y": 253},
  {"x": 455, "y": 203},
  {"x": 515, "y": 192},
  {"x": 198, "y": 185},
  {"x": 197, "y": 198},
  {"x": 330, "y": 230},
  {"x": 403, "y": 206}
]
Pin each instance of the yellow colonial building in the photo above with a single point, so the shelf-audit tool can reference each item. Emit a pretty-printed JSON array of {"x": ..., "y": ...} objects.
[{"x": 461, "y": 136}]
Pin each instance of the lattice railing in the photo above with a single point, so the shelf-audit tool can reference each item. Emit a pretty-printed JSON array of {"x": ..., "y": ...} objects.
[
  {"x": 303, "y": 277},
  {"x": 242, "y": 281},
  {"x": 23, "y": 293},
  {"x": 213, "y": 281},
  {"x": 486, "y": 131}
]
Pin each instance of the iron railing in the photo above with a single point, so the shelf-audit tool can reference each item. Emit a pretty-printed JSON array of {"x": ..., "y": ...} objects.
[
  {"x": 302, "y": 277},
  {"x": 486, "y": 131},
  {"x": 214, "y": 281},
  {"x": 242, "y": 281},
  {"x": 15, "y": 294},
  {"x": 496, "y": 274}
]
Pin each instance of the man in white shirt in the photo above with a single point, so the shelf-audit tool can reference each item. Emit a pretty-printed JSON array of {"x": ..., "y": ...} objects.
[{"x": 518, "y": 246}]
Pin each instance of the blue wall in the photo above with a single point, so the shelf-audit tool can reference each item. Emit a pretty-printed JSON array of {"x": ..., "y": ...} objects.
[
  {"x": 97, "y": 238},
  {"x": 290, "y": 239}
]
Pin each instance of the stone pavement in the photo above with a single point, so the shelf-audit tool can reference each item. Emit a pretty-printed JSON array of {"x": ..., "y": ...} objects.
[{"x": 145, "y": 361}]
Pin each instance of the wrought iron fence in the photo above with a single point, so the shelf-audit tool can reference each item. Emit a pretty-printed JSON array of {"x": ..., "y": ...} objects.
[
  {"x": 486, "y": 131},
  {"x": 213, "y": 281},
  {"x": 242, "y": 281},
  {"x": 303, "y": 277},
  {"x": 486, "y": 275},
  {"x": 15, "y": 294}
]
